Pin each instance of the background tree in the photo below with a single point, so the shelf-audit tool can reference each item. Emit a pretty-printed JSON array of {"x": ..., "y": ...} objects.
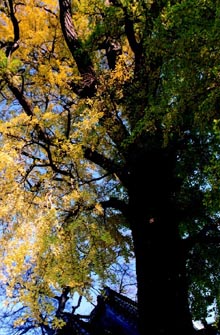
[{"x": 110, "y": 122}]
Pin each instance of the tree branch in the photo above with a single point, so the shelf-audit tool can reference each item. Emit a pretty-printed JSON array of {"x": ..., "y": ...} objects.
[
  {"x": 78, "y": 304},
  {"x": 28, "y": 108},
  {"x": 113, "y": 50},
  {"x": 62, "y": 301},
  {"x": 14, "y": 45},
  {"x": 130, "y": 33},
  {"x": 107, "y": 164},
  {"x": 116, "y": 204},
  {"x": 81, "y": 57},
  {"x": 129, "y": 30}
]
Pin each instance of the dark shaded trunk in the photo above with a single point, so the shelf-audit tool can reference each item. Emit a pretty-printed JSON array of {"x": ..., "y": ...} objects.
[
  {"x": 160, "y": 260},
  {"x": 162, "y": 286}
]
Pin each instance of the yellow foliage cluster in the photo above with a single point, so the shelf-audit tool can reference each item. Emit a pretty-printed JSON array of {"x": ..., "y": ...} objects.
[
  {"x": 38, "y": 251},
  {"x": 43, "y": 181}
]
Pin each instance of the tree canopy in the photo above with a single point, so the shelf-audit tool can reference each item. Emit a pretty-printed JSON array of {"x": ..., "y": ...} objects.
[{"x": 110, "y": 124}]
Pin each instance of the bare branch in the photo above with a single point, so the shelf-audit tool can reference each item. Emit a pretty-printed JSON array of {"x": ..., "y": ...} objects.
[{"x": 78, "y": 304}]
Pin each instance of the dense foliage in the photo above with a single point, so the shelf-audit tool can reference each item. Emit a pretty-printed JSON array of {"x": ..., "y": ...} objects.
[{"x": 110, "y": 124}]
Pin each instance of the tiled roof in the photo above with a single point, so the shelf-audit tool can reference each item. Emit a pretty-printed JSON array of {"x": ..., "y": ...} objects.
[{"x": 114, "y": 314}]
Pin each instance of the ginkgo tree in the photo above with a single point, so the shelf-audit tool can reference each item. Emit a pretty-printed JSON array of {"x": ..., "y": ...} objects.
[{"x": 109, "y": 124}]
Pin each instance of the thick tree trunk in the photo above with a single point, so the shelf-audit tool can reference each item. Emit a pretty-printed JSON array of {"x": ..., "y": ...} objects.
[
  {"x": 160, "y": 260},
  {"x": 162, "y": 286}
]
